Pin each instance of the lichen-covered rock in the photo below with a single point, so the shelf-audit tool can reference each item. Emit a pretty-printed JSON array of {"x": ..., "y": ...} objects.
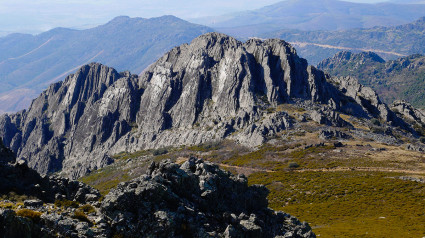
[{"x": 196, "y": 199}]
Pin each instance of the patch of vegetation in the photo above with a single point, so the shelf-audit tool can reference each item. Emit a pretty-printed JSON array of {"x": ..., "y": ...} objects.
[
  {"x": 160, "y": 151},
  {"x": 33, "y": 215},
  {"x": 125, "y": 155},
  {"x": 81, "y": 216},
  {"x": 301, "y": 153},
  {"x": 105, "y": 179},
  {"x": 87, "y": 208},
  {"x": 293, "y": 165},
  {"x": 419, "y": 129},
  {"x": 349, "y": 203},
  {"x": 205, "y": 147},
  {"x": 15, "y": 197},
  {"x": 66, "y": 203},
  {"x": 253, "y": 157},
  {"x": 7, "y": 205}
]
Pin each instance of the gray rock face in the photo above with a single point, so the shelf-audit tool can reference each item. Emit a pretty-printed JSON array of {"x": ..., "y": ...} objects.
[
  {"x": 73, "y": 119},
  {"x": 196, "y": 199},
  {"x": 214, "y": 88},
  {"x": 365, "y": 99},
  {"x": 408, "y": 111}
]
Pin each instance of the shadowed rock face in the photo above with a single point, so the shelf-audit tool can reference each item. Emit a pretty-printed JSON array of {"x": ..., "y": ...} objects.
[
  {"x": 18, "y": 178},
  {"x": 214, "y": 88}
]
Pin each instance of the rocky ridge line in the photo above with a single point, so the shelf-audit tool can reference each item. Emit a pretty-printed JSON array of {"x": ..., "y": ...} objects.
[{"x": 214, "y": 88}]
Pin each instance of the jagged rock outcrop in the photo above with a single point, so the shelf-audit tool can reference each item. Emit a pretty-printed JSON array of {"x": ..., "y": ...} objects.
[
  {"x": 408, "y": 111},
  {"x": 365, "y": 98},
  {"x": 214, "y": 88},
  {"x": 74, "y": 119},
  {"x": 196, "y": 199}
]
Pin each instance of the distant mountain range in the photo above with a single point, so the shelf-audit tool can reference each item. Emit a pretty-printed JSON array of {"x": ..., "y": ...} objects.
[
  {"x": 313, "y": 15},
  {"x": 403, "y": 78},
  {"x": 389, "y": 42},
  {"x": 29, "y": 63}
]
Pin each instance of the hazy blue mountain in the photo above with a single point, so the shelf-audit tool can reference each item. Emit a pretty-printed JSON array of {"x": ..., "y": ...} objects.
[
  {"x": 388, "y": 42},
  {"x": 313, "y": 15},
  {"x": 409, "y": 1},
  {"x": 29, "y": 63}
]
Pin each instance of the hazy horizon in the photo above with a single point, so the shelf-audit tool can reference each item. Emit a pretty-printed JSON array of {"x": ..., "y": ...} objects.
[{"x": 33, "y": 17}]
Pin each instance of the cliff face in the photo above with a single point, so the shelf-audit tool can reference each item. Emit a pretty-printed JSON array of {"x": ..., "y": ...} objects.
[
  {"x": 214, "y": 88},
  {"x": 73, "y": 118}
]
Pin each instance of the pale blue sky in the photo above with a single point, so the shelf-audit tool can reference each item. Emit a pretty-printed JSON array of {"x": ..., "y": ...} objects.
[{"x": 34, "y": 16}]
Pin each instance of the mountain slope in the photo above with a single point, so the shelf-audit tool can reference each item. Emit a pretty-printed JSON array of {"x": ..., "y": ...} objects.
[
  {"x": 212, "y": 89},
  {"x": 388, "y": 42},
  {"x": 403, "y": 78},
  {"x": 28, "y": 64},
  {"x": 313, "y": 15}
]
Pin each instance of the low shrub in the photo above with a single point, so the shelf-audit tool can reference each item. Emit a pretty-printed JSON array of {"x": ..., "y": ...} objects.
[
  {"x": 293, "y": 165},
  {"x": 33, "y": 215},
  {"x": 160, "y": 151},
  {"x": 67, "y": 203},
  {"x": 81, "y": 216},
  {"x": 87, "y": 208}
]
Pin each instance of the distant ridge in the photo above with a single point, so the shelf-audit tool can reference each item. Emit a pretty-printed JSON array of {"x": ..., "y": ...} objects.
[
  {"x": 310, "y": 15},
  {"x": 388, "y": 42}
]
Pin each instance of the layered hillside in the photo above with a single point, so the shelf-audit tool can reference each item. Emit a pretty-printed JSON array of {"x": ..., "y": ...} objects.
[
  {"x": 30, "y": 63},
  {"x": 388, "y": 42},
  {"x": 401, "y": 79},
  {"x": 212, "y": 89}
]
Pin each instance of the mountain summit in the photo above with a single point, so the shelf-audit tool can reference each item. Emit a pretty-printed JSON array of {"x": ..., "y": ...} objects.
[{"x": 212, "y": 89}]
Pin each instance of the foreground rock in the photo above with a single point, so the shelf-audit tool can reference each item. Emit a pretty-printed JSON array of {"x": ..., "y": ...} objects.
[{"x": 196, "y": 199}]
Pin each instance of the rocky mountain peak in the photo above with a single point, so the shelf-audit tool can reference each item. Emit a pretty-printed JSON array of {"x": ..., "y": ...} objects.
[{"x": 216, "y": 87}]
